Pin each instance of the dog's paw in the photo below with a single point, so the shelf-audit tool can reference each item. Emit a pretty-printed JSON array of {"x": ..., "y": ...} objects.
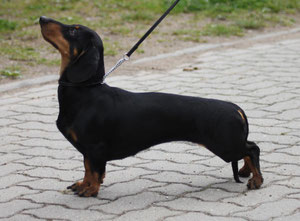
[
  {"x": 90, "y": 191},
  {"x": 77, "y": 187},
  {"x": 255, "y": 182}
]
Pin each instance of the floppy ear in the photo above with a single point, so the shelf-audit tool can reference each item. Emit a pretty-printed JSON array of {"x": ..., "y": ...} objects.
[{"x": 84, "y": 67}]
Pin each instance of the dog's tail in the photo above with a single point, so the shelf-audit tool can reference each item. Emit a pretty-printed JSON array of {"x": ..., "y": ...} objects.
[
  {"x": 235, "y": 169},
  {"x": 246, "y": 124}
]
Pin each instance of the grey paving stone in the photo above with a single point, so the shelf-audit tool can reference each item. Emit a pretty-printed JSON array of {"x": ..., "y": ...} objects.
[
  {"x": 195, "y": 205},
  {"x": 46, "y": 142},
  {"x": 22, "y": 217},
  {"x": 292, "y": 150},
  {"x": 286, "y": 170},
  {"x": 7, "y": 158},
  {"x": 13, "y": 179},
  {"x": 117, "y": 190},
  {"x": 130, "y": 161},
  {"x": 282, "y": 158},
  {"x": 131, "y": 203},
  {"x": 13, "y": 192},
  {"x": 11, "y": 100},
  {"x": 45, "y": 184},
  {"x": 174, "y": 189},
  {"x": 194, "y": 180},
  {"x": 48, "y": 162},
  {"x": 128, "y": 174},
  {"x": 160, "y": 155},
  {"x": 293, "y": 217},
  {"x": 294, "y": 196},
  {"x": 67, "y": 199},
  {"x": 8, "y": 121},
  {"x": 6, "y": 140},
  {"x": 212, "y": 194},
  {"x": 13, "y": 207},
  {"x": 35, "y": 117},
  {"x": 149, "y": 214},
  {"x": 292, "y": 182},
  {"x": 177, "y": 147},
  {"x": 172, "y": 166},
  {"x": 5, "y": 131},
  {"x": 12, "y": 168},
  {"x": 37, "y": 126},
  {"x": 58, "y": 212},
  {"x": 48, "y": 172},
  {"x": 264, "y": 195},
  {"x": 271, "y": 210},
  {"x": 48, "y": 152},
  {"x": 40, "y": 134},
  {"x": 196, "y": 216}
]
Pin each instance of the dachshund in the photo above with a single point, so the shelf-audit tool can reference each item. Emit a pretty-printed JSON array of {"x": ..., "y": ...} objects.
[{"x": 107, "y": 123}]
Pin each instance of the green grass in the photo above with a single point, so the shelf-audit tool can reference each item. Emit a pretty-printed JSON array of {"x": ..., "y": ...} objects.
[
  {"x": 20, "y": 38},
  {"x": 228, "y": 6},
  {"x": 222, "y": 30},
  {"x": 188, "y": 35},
  {"x": 11, "y": 72},
  {"x": 209, "y": 30},
  {"x": 111, "y": 48},
  {"x": 19, "y": 52},
  {"x": 138, "y": 16},
  {"x": 250, "y": 24},
  {"x": 6, "y": 25}
]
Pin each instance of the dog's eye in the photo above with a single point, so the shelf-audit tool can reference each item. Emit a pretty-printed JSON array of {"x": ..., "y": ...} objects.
[{"x": 73, "y": 31}]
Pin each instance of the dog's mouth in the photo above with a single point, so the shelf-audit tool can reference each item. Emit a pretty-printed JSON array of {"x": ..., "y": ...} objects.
[
  {"x": 48, "y": 40},
  {"x": 51, "y": 32}
]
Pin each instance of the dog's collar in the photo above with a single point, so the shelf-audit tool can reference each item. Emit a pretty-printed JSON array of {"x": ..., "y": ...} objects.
[{"x": 69, "y": 84}]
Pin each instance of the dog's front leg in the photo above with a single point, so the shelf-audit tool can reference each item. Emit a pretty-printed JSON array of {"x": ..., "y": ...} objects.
[{"x": 91, "y": 182}]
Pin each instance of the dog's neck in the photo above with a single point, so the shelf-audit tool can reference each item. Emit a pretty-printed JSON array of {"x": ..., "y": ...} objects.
[{"x": 95, "y": 79}]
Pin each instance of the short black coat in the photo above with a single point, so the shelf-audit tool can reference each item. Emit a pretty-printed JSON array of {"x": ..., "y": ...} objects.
[{"x": 123, "y": 123}]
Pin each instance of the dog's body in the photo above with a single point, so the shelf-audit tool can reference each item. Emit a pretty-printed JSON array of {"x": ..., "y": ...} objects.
[
  {"x": 106, "y": 123},
  {"x": 124, "y": 123}
]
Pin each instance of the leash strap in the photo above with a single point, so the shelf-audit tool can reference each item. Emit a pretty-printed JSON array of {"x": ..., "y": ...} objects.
[
  {"x": 151, "y": 29},
  {"x": 126, "y": 57}
]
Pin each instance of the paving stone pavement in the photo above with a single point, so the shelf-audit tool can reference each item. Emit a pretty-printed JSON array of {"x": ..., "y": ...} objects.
[{"x": 173, "y": 181}]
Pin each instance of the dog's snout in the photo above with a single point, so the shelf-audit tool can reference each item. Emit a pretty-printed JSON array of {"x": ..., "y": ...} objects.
[{"x": 44, "y": 20}]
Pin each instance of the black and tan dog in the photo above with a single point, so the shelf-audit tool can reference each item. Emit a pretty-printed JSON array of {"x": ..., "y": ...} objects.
[{"x": 106, "y": 123}]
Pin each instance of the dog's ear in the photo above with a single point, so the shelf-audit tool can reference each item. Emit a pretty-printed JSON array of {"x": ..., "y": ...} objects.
[{"x": 84, "y": 66}]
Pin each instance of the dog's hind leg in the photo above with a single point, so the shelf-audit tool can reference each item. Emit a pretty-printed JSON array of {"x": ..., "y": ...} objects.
[
  {"x": 245, "y": 170},
  {"x": 252, "y": 164},
  {"x": 235, "y": 169}
]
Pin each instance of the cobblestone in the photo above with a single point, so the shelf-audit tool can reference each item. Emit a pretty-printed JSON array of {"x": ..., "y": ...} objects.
[{"x": 173, "y": 181}]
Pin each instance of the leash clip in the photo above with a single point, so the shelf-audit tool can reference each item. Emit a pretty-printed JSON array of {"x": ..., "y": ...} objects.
[
  {"x": 126, "y": 57},
  {"x": 118, "y": 64}
]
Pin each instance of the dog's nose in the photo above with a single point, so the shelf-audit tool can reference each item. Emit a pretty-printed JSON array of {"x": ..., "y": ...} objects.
[{"x": 44, "y": 20}]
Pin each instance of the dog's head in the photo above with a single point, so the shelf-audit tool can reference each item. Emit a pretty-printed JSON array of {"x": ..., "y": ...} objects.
[{"x": 81, "y": 50}]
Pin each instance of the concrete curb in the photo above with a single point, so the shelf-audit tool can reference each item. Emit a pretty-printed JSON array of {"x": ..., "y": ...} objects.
[
  {"x": 206, "y": 47},
  {"x": 28, "y": 83}
]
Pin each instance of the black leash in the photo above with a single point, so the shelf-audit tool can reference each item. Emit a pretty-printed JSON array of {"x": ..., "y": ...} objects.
[{"x": 133, "y": 49}]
